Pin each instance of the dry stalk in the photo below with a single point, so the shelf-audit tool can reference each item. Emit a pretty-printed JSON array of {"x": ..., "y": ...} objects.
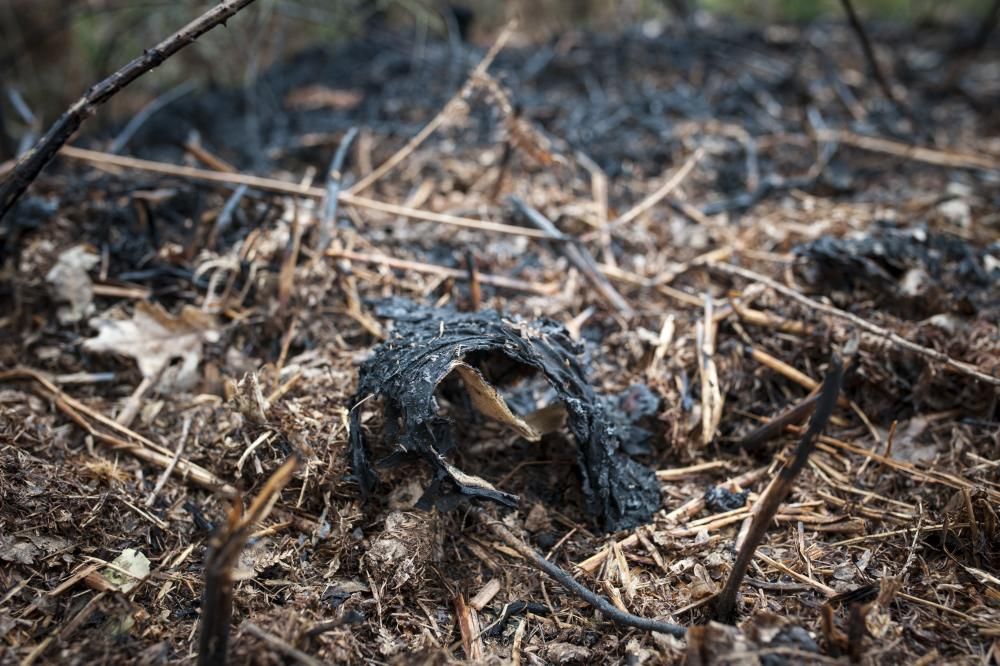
[
  {"x": 225, "y": 547},
  {"x": 32, "y": 163},
  {"x": 767, "y": 507}
]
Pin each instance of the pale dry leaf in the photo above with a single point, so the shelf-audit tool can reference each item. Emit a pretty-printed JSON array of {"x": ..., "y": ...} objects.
[
  {"x": 71, "y": 284},
  {"x": 128, "y": 569},
  {"x": 154, "y": 338},
  {"x": 249, "y": 399},
  {"x": 12, "y": 550},
  {"x": 488, "y": 401}
]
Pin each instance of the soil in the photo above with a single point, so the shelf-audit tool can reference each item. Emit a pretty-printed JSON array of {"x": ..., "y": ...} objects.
[{"x": 161, "y": 321}]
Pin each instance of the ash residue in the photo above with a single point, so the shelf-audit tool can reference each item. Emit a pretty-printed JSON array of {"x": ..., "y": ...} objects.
[
  {"x": 915, "y": 273},
  {"x": 426, "y": 346}
]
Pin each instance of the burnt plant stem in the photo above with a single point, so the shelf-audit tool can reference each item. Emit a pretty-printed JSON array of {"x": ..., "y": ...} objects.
[
  {"x": 224, "y": 550},
  {"x": 563, "y": 578},
  {"x": 33, "y": 161},
  {"x": 334, "y": 176},
  {"x": 725, "y": 605},
  {"x": 574, "y": 251},
  {"x": 866, "y": 46}
]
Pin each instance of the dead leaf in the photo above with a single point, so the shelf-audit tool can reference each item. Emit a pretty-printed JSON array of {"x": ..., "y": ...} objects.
[
  {"x": 488, "y": 401},
  {"x": 567, "y": 653},
  {"x": 71, "y": 283},
  {"x": 537, "y": 519},
  {"x": 50, "y": 544},
  {"x": 249, "y": 399},
  {"x": 127, "y": 570},
  {"x": 154, "y": 337},
  {"x": 12, "y": 550}
]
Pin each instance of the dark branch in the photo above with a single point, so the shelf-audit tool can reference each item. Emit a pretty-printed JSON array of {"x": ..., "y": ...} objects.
[
  {"x": 866, "y": 46},
  {"x": 563, "y": 578},
  {"x": 725, "y": 606},
  {"x": 32, "y": 162},
  {"x": 333, "y": 178}
]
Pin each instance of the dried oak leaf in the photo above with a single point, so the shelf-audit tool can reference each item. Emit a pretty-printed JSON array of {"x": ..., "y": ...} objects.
[{"x": 154, "y": 338}]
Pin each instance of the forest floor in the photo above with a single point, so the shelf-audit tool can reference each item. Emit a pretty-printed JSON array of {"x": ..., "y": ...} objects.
[{"x": 732, "y": 205}]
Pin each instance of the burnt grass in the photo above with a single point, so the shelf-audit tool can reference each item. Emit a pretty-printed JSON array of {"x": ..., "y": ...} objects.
[{"x": 887, "y": 549}]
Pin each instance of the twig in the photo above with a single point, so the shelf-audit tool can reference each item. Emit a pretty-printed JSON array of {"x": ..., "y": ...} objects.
[
  {"x": 334, "y": 175},
  {"x": 475, "y": 293},
  {"x": 599, "y": 189},
  {"x": 32, "y": 162},
  {"x": 894, "y": 338},
  {"x": 279, "y": 644},
  {"x": 711, "y": 394},
  {"x": 140, "y": 447},
  {"x": 945, "y": 158},
  {"x": 669, "y": 186},
  {"x": 563, "y": 578},
  {"x": 283, "y": 187},
  {"x": 866, "y": 46},
  {"x": 162, "y": 481},
  {"x": 578, "y": 256},
  {"x": 225, "y": 217},
  {"x": 775, "y": 426},
  {"x": 986, "y": 28},
  {"x": 225, "y": 547},
  {"x": 448, "y": 109},
  {"x": 725, "y": 606},
  {"x": 468, "y": 625},
  {"x": 445, "y": 271}
]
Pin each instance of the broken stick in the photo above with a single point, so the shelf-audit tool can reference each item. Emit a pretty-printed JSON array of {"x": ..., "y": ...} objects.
[
  {"x": 225, "y": 547},
  {"x": 33, "y": 161},
  {"x": 563, "y": 578},
  {"x": 725, "y": 606},
  {"x": 578, "y": 256}
]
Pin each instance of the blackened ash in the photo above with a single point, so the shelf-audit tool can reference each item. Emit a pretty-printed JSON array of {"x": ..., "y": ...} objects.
[{"x": 425, "y": 347}]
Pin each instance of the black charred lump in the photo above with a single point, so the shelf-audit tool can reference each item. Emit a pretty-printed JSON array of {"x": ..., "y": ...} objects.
[{"x": 428, "y": 344}]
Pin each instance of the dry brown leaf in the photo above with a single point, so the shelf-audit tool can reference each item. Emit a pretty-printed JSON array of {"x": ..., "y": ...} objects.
[
  {"x": 488, "y": 401},
  {"x": 154, "y": 338}
]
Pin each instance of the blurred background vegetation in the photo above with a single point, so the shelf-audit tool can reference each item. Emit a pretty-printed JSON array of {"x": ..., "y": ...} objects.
[{"x": 51, "y": 50}]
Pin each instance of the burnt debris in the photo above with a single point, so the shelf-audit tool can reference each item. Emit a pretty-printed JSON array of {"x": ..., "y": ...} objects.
[
  {"x": 914, "y": 273},
  {"x": 430, "y": 344}
]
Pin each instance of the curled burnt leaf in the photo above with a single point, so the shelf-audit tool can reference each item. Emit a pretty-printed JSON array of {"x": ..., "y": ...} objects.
[{"x": 428, "y": 345}]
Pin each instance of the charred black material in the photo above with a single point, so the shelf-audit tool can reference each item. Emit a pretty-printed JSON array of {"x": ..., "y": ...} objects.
[
  {"x": 719, "y": 499},
  {"x": 882, "y": 262},
  {"x": 424, "y": 348}
]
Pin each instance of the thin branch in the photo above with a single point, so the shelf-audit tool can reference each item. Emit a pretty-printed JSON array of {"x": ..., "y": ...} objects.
[
  {"x": 32, "y": 162},
  {"x": 147, "y": 112},
  {"x": 669, "y": 186},
  {"x": 725, "y": 606},
  {"x": 225, "y": 547},
  {"x": 446, "y": 271},
  {"x": 866, "y": 46},
  {"x": 334, "y": 175},
  {"x": 906, "y": 151},
  {"x": 563, "y": 578},
  {"x": 578, "y": 256},
  {"x": 284, "y": 187}
]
